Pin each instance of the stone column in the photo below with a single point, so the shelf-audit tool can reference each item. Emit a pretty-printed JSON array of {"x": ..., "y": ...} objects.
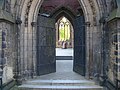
[
  {"x": 34, "y": 25},
  {"x": 18, "y": 76}
]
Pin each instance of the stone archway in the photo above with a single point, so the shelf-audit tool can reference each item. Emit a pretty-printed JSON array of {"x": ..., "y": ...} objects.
[
  {"x": 64, "y": 12},
  {"x": 90, "y": 9}
]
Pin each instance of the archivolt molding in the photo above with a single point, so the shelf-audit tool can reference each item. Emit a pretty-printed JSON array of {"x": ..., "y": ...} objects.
[
  {"x": 31, "y": 8},
  {"x": 27, "y": 12},
  {"x": 95, "y": 11},
  {"x": 35, "y": 5},
  {"x": 34, "y": 10},
  {"x": 92, "y": 7},
  {"x": 18, "y": 7}
]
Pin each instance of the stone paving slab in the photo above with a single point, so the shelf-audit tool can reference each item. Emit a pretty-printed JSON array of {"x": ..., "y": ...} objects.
[
  {"x": 61, "y": 82},
  {"x": 64, "y": 58},
  {"x": 64, "y": 52},
  {"x": 37, "y": 87},
  {"x": 63, "y": 79},
  {"x": 64, "y": 71}
]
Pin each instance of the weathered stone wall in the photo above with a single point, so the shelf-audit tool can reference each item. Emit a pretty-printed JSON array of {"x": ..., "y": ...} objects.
[
  {"x": 27, "y": 11},
  {"x": 114, "y": 54},
  {"x": 8, "y": 50}
]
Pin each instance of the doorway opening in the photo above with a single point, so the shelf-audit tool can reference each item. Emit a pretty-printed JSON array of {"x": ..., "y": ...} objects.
[
  {"x": 64, "y": 33},
  {"x": 55, "y": 32},
  {"x": 64, "y": 45},
  {"x": 64, "y": 39}
]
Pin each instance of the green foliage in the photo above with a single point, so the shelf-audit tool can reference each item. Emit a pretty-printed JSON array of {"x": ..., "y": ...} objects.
[
  {"x": 64, "y": 30},
  {"x": 64, "y": 34},
  {"x": 61, "y": 34}
]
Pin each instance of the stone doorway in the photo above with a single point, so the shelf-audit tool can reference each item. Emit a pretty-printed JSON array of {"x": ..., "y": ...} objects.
[
  {"x": 29, "y": 57},
  {"x": 78, "y": 27},
  {"x": 64, "y": 33}
]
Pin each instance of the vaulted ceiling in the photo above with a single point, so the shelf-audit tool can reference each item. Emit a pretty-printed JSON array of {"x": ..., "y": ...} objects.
[{"x": 50, "y": 6}]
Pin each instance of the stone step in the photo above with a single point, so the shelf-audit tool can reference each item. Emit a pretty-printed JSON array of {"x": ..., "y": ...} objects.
[
  {"x": 60, "y": 82},
  {"x": 59, "y": 85},
  {"x": 64, "y": 57},
  {"x": 48, "y": 87}
]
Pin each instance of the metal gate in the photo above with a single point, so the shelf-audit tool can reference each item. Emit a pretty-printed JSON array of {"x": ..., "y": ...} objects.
[
  {"x": 46, "y": 62},
  {"x": 79, "y": 45}
]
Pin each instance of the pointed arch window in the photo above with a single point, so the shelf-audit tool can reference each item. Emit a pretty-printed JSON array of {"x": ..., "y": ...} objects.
[{"x": 64, "y": 29}]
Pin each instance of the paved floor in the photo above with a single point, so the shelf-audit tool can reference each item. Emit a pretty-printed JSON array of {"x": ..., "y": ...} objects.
[
  {"x": 63, "y": 79},
  {"x": 64, "y": 52},
  {"x": 64, "y": 68},
  {"x": 64, "y": 71}
]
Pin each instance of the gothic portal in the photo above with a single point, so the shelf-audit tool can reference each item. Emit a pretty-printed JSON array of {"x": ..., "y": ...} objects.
[{"x": 31, "y": 30}]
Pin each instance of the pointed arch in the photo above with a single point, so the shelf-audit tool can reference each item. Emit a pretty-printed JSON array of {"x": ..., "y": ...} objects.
[
  {"x": 63, "y": 12},
  {"x": 90, "y": 14}
]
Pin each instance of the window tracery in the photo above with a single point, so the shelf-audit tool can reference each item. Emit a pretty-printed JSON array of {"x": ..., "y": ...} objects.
[{"x": 64, "y": 30}]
